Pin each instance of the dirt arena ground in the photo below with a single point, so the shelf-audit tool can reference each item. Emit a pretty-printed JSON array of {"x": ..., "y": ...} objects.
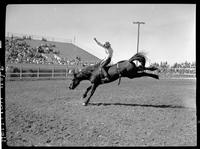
[{"x": 139, "y": 112}]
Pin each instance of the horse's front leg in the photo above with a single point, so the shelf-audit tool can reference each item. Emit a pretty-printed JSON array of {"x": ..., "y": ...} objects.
[
  {"x": 93, "y": 88},
  {"x": 87, "y": 90}
]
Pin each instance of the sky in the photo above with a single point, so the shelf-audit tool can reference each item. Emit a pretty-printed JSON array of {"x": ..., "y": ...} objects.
[{"x": 169, "y": 32}]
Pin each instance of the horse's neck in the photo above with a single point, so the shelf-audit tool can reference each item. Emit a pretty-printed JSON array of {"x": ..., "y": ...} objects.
[
  {"x": 85, "y": 73},
  {"x": 83, "y": 76}
]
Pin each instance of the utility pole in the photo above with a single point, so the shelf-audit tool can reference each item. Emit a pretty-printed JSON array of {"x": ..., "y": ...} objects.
[
  {"x": 138, "y": 23},
  {"x": 74, "y": 39}
]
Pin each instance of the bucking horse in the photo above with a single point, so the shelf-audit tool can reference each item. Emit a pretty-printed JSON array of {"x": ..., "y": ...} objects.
[{"x": 125, "y": 68}]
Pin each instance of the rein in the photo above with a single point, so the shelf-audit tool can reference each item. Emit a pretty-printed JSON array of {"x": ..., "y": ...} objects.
[{"x": 119, "y": 74}]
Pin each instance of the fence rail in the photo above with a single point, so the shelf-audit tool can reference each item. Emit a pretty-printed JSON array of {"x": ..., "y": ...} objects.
[
  {"x": 33, "y": 71},
  {"x": 20, "y": 72},
  {"x": 22, "y": 76}
]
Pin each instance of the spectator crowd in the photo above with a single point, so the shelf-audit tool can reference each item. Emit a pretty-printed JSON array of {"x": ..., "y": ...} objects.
[
  {"x": 19, "y": 51},
  {"x": 181, "y": 68}
]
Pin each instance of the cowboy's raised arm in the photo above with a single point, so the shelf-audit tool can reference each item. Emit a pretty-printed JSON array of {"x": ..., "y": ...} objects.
[{"x": 100, "y": 44}]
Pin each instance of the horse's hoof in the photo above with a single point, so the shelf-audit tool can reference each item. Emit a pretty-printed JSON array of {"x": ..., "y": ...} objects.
[{"x": 84, "y": 104}]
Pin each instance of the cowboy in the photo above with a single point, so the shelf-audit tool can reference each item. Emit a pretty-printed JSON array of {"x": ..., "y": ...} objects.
[{"x": 107, "y": 59}]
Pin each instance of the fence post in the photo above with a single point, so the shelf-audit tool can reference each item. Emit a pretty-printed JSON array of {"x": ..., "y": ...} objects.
[
  {"x": 38, "y": 72},
  {"x": 52, "y": 72},
  {"x": 20, "y": 73},
  {"x": 66, "y": 72}
]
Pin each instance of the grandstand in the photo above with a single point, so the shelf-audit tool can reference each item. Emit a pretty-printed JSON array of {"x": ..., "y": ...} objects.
[{"x": 66, "y": 50}]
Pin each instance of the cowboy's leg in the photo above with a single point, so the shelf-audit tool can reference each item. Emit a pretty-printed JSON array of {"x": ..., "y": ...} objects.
[
  {"x": 104, "y": 72},
  {"x": 104, "y": 64}
]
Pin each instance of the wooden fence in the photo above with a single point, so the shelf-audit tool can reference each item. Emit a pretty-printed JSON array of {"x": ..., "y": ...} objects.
[
  {"x": 37, "y": 75},
  {"x": 30, "y": 72},
  {"x": 34, "y": 71}
]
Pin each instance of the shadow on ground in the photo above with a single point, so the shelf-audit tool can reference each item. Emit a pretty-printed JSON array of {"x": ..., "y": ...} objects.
[{"x": 135, "y": 105}]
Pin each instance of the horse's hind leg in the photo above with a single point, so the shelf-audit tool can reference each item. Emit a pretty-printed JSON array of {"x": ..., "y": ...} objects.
[
  {"x": 145, "y": 74},
  {"x": 93, "y": 88},
  {"x": 152, "y": 68},
  {"x": 87, "y": 90}
]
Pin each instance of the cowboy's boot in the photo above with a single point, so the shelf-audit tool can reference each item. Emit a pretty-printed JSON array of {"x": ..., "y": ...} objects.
[{"x": 105, "y": 75}]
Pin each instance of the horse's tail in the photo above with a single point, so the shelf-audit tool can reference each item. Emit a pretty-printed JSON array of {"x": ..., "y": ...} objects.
[{"x": 140, "y": 56}]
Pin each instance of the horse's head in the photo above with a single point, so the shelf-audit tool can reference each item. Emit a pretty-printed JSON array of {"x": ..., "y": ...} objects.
[
  {"x": 74, "y": 82},
  {"x": 82, "y": 74}
]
